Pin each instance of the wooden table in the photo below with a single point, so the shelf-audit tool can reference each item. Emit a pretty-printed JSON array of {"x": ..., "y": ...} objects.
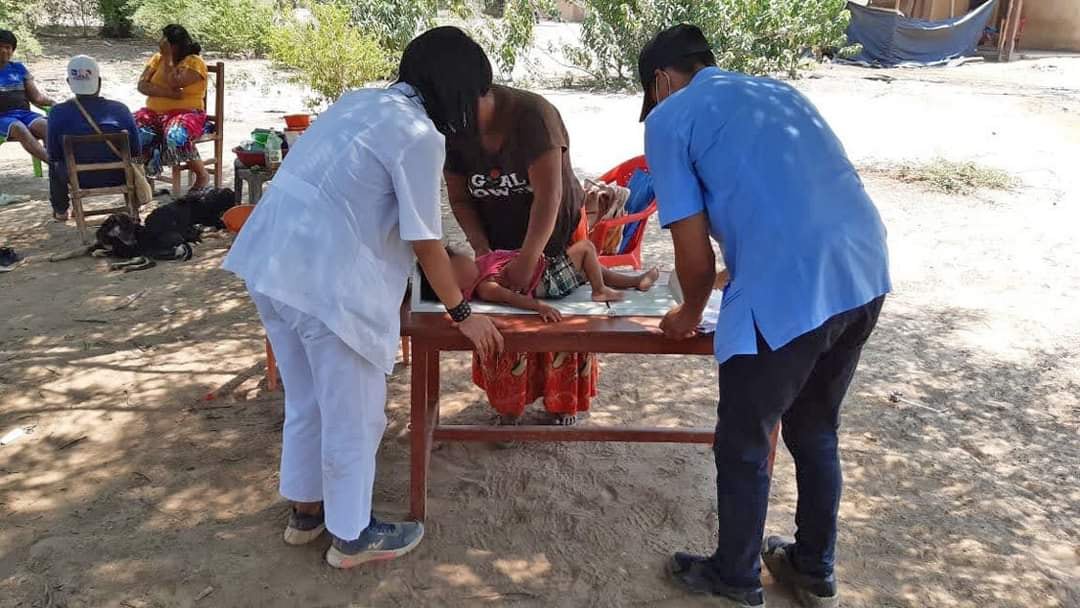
[{"x": 433, "y": 333}]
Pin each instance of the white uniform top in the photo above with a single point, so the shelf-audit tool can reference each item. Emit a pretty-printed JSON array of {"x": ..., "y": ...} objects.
[{"x": 330, "y": 237}]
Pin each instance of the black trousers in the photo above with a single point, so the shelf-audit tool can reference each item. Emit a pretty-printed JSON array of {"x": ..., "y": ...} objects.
[
  {"x": 802, "y": 385},
  {"x": 58, "y": 188}
]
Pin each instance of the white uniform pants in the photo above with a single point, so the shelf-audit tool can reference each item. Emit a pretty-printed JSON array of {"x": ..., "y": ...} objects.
[{"x": 335, "y": 402}]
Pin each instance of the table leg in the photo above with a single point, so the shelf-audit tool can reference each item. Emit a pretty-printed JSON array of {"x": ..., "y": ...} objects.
[
  {"x": 256, "y": 191},
  {"x": 238, "y": 187},
  {"x": 433, "y": 390},
  {"x": 419, "y": 439}
]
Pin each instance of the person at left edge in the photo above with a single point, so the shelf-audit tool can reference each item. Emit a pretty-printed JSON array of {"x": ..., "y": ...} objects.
[
  {"x": 326, "y": 257},
  {"x": 17, "y": 91}
]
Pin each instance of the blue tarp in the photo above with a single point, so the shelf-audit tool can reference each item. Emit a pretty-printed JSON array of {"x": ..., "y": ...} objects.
[{"x": 890, "y": 39}]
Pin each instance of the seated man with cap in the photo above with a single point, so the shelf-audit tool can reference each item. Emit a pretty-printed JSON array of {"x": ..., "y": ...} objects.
[{"x": 84, "y": 78}]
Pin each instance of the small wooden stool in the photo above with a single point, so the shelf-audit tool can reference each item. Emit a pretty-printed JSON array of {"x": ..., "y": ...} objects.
[{"x": 256, "y": 178}]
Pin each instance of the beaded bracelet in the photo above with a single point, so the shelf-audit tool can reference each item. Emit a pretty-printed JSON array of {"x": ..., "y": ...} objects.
[{"x": 460, "y": 312}]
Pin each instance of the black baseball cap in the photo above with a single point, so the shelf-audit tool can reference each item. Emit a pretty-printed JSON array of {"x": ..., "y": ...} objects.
[{"x": 663, "y": 51}]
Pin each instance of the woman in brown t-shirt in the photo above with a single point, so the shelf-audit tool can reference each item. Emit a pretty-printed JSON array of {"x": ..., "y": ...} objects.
[{"x": 512, "y": 187}]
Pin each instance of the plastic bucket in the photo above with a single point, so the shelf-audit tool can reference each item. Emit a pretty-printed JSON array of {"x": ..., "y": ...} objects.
[{"x": 291, "y": 135}]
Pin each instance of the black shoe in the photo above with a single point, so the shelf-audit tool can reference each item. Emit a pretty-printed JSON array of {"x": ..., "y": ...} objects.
[
  {"x": 811, "y": 591},
  {"x": 692, "y": 573},
  {"x": 303, "y": 527},
  {"x": 8, "y": 259}
]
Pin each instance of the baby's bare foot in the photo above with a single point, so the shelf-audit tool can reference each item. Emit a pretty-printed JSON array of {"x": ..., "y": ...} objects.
[
  {"x": 606, "y": 294},
  {"x": 648, "y": 279}
]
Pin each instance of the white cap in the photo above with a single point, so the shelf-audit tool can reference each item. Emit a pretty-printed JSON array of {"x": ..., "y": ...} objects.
[{"x": 83, "y": 75}]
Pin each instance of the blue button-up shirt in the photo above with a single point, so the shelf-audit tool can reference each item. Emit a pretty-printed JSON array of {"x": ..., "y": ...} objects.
[{"x": 799, "y": 234}]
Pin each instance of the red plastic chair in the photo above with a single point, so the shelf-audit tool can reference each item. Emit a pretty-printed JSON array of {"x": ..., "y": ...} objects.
[{"x": 632, "y": 256}]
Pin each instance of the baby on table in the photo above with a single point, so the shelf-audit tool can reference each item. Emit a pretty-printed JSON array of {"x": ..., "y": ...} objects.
[{"x": 554, "y": 278}]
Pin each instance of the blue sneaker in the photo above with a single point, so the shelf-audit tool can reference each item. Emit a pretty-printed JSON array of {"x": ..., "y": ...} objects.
[
  {"x": 304, "y": 528},
  {"x": 379, "y": 541}
]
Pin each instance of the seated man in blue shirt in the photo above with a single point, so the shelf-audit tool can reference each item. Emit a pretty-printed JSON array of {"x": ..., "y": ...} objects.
[
  {"x": 750, "y": 162},
  {"x": 84, "y": 78}
]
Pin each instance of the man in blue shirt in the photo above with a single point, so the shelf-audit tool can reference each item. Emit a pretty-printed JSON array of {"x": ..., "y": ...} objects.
[
  {"x": 84, "y": 78},
  {"x": 750, "y": 162}
]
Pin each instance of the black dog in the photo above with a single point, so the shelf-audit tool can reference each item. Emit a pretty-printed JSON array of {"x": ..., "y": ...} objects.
[{"x": 169, "y": 230}]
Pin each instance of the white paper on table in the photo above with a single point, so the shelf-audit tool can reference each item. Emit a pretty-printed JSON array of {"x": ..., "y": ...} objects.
[{"x": 712, "y": 312}]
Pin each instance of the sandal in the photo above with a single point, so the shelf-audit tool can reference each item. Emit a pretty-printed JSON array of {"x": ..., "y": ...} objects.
[{"x": 562, "y": 419}]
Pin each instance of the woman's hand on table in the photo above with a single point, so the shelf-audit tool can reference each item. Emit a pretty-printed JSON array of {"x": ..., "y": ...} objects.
[
  {"x": 481, "y": 331},
  {"x": 679, "y": 324}
]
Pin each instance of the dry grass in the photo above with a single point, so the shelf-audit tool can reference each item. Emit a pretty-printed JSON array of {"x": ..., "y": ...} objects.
[{"x": 950, "y": 177}]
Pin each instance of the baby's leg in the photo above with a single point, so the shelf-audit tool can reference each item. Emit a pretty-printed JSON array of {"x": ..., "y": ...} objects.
[
  {"x": 642, "y": 281},
  {"x": 583, "y": 256}
]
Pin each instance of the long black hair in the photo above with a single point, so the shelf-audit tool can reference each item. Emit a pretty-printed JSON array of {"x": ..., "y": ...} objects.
[
  {"x": 181, "y": 40},
  {"x": 450, "y": 72}
]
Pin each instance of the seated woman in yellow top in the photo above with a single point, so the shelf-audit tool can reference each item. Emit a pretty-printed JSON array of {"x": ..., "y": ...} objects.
[{"x": 174, "y": 82}]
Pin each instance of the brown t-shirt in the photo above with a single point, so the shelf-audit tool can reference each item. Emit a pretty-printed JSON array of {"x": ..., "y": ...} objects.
[{"x": 499, "y": 183}]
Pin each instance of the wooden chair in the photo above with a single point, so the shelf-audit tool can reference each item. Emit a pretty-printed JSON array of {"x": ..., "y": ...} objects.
[
  {"x": 217, "y": 117},
  {"x": 127, "y": 189}
]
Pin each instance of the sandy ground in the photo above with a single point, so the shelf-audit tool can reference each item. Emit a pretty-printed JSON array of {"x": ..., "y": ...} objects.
[{"x": 131, "y": 492}]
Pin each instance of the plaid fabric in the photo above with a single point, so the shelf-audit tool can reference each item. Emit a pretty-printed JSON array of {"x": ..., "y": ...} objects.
[{"x": 560, "y": 278}]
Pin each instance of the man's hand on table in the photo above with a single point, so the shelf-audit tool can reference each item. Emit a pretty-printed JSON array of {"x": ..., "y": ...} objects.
[
  {"x": 679, "y": 323},
  {"x": 695, "y": 268}
]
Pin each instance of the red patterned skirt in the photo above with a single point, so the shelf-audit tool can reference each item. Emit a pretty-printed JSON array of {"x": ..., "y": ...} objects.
[
  {"x": 566, "y": 381},
  {"x": 158, "y": 134}
]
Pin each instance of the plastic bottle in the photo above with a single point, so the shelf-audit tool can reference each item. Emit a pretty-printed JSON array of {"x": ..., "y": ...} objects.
[{"x": 273, "y": 151}]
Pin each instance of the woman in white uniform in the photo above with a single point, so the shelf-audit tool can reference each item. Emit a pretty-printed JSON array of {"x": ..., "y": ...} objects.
[{"x": 326, "y": 256}]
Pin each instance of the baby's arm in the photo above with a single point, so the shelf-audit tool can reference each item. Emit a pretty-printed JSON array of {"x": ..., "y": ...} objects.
[{"x": 490, "y": 291}]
